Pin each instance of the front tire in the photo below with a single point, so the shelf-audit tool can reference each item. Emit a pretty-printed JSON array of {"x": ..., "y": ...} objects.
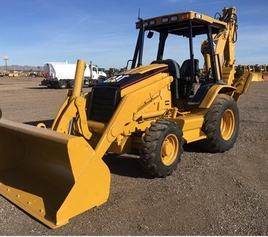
[
  {"x": 221, "y": 125},
  {"x": 162, "y": 148}
]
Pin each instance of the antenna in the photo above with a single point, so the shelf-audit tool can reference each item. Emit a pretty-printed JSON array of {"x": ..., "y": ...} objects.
[{"x": 139, "y": 13}]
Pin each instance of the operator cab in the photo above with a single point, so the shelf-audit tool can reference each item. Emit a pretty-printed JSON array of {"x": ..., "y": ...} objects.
[{"x": 187, "y": 74}]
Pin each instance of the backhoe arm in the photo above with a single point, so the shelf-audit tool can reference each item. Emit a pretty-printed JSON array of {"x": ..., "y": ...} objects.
[{"x": 224, "y": 47}]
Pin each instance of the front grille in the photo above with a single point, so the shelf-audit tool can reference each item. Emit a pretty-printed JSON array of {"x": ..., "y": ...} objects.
[{"x": 103, "y": 103}]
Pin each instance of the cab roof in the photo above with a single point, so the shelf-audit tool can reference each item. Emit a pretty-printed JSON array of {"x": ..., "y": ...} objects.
[{"x": 177, "y": 23}]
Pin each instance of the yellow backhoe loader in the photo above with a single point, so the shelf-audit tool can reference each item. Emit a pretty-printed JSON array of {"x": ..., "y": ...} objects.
[{"x": 55, "y": 174}]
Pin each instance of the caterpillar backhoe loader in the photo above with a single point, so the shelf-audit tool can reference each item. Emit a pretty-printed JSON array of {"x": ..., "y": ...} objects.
[{"x": 57, "y": 173}]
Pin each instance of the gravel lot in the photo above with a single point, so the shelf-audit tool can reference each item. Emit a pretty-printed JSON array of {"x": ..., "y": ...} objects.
[{"x": 208, "y": 194}]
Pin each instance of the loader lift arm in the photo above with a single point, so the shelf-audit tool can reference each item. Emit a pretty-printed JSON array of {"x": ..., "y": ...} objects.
[{"x": 73, "y": 108}]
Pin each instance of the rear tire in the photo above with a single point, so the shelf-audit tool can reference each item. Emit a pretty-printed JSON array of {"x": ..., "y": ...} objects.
[
  {"x": 162, "y": 148},
  {"x": 63, "y": 84},
  {"x": 221, "y": 125},
  {"x": 71, "y": 84}
]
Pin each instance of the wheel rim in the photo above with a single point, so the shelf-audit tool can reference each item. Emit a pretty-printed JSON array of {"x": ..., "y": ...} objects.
[
  {"x": 169, "y": 149},
  {"x": 227, "y": 124}
]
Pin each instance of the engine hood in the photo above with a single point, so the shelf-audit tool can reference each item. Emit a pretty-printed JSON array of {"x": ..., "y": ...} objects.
[
  {"x": 130, "y": 77},
  {"x": 106, "y": 96}
]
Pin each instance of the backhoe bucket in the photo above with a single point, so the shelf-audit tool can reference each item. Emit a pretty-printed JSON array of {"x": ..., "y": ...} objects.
[{"x": 52, "y": 176}]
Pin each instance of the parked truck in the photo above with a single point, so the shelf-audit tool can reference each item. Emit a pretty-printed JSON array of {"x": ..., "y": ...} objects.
[{"x": 61, "y": 75}]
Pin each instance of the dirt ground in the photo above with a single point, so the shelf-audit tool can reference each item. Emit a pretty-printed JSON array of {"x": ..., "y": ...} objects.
[{"x": 208, "y": 194}]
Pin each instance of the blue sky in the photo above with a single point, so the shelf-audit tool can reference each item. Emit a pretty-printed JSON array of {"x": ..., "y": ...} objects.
[{"x": 37, "y": 31}]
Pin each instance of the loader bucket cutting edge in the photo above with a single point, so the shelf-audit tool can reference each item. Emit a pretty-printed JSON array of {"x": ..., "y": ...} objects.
[{"x": 52, "y": 176}]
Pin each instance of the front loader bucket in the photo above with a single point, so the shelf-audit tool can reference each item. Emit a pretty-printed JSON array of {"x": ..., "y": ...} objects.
[{"x": 52, "y": 176}]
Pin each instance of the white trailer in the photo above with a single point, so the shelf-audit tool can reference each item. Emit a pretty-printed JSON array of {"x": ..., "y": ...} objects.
[{"x": 61, "y": 75}]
